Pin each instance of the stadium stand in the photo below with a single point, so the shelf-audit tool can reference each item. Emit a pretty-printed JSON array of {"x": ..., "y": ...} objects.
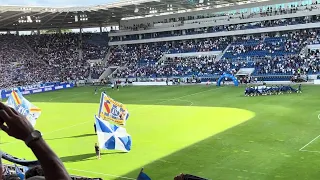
[
  {"x": 149, "y": 53},
  {"x": 61, "y": 52},
  {"x": 50, "y": 57},
  {"x": 269, "y": 55},
  {"x": 18, "y": 64},
  {"x": 274, "y": 55},
  {"x": 94, "y": 45}
]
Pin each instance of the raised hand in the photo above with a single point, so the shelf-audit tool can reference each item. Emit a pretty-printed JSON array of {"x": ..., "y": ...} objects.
[
  {"x": 13, "y": 123},
  {"x": 179, "y": 177}
]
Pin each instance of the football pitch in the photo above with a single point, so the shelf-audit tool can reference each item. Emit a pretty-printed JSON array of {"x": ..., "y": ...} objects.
[{"x": 212, "y": 132}]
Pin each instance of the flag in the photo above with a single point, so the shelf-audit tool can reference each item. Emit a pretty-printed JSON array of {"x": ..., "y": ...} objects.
[
  {"x": 5, "y": 170},
  {"x": 25, "y": 169},
  {"x": 23, "y": 106},
  {"x": 112, "y": 137},
  {"x": 143, "y": 176},
  {"x": 19, "y": 172},
  {"x": 112, "y": 111}
]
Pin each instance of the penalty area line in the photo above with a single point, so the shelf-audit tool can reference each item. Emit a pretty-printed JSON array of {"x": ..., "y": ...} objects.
[
  {"x": 50, "y": 132},
  {"x": 310, "y": 151},
  {"x": 71, "y": 95},
  {"x": 301, "y": 149},
  {"x": 104, "y": 174},
  {"x": 179, "y": 98}
]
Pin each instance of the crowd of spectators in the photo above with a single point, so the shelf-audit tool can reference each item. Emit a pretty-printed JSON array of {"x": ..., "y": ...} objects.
[
  {"x": 61, "y": 52},
  {"x": 19, "y": 65},
  {"x": 97, "y": 69},
  {"x": 94, "y": 45},
  {"x": 27, "y": 60},
  {"x": 206, "y": 66},
  {"x": 285, "y": 44},
  {"x": 277, "y": 53},
  {"x": 148, "y": 54},
  {"x": 182, "y": 66},
  {"x": 288, "y": 65}
]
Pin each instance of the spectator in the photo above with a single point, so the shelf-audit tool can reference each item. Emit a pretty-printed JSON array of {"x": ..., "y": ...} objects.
[
  {"x": 34, "y": 171},
  {"x": 18, "y": 127}
]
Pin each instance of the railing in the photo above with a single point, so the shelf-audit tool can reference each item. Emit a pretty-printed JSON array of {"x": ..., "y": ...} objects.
[{"x": 12, "y": 170}]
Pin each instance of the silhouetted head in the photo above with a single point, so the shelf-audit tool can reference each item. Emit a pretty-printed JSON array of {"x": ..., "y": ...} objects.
[{"x": 35, "y": 171}]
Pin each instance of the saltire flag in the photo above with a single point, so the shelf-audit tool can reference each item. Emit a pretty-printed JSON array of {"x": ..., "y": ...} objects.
[
  {"x": 23, "y": 106},
  {"x": 143, "y": 176},
  {"x": 19, "y": 172},
  {"x": 112, "y": 137},
  {"x": 113, "y": 111}
]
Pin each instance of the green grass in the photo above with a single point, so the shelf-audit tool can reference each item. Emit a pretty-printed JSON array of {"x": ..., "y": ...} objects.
[{"x": 212, "y": 132}]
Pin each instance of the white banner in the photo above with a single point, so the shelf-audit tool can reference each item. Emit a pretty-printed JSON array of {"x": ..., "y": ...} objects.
[
  {"x": 316, "y": 81},
  {"x": 151, "y": 83}
]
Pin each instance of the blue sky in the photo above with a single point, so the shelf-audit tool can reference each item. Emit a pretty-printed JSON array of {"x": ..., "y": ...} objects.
[{"x": 56, "y": 3}]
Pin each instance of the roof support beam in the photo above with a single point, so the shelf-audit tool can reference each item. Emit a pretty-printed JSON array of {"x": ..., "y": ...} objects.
[
  {"x": 10, "y": 17},
  {"x": 57, "y": 14},
  {"x": 11, "y": 22},
  {"x": 64, "y": 18}
]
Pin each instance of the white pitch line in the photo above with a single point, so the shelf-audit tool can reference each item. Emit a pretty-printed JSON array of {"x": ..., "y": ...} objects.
[
  {"x": 240, "y": 170},
  {"x": 50, "y": 132},
  {"x": 104, "y": 174},
  {"x": 71, "y": 95},
  {"x": 178, "y": 98},
  {"x": 102, "y": 88},
  {"x": 309, "y": 142},
  {"x": 191, "y": 103},
  {"x": 182, "y": 100},
  {"x": 194, "y": 94},
  {"x": 310, "y": 151}
]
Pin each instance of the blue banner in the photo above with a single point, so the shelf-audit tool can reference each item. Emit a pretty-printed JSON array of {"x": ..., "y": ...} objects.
[{"x": 33, "y": 90}]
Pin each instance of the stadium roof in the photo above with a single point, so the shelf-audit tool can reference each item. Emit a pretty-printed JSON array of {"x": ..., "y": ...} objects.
[{"x": 31, "y": 18}]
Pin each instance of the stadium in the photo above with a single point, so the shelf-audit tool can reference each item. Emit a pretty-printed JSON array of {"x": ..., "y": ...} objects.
[{"x": 161, "y": 89}]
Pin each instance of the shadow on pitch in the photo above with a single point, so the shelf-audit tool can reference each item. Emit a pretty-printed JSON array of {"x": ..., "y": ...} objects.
[
  {"x": 204, "y": 158},
  {"x": 86, "y": 157},
  {"x": 70, "y": 137}
]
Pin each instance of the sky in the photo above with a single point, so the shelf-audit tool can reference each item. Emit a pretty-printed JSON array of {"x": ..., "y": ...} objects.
[{"x": 56, "y": 3}]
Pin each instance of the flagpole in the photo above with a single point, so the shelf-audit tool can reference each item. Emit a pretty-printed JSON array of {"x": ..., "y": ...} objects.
[{"x": 140, "y": 172}]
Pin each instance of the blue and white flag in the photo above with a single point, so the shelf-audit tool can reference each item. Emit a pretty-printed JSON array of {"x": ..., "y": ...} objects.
[
  {"x": 5, "y": 170},
  {"x": 112, "y": 137},
  {"x": 143, "y": 176},
  {"x": 19, "y": 172},
  {"x": 23, "y": 106}
]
